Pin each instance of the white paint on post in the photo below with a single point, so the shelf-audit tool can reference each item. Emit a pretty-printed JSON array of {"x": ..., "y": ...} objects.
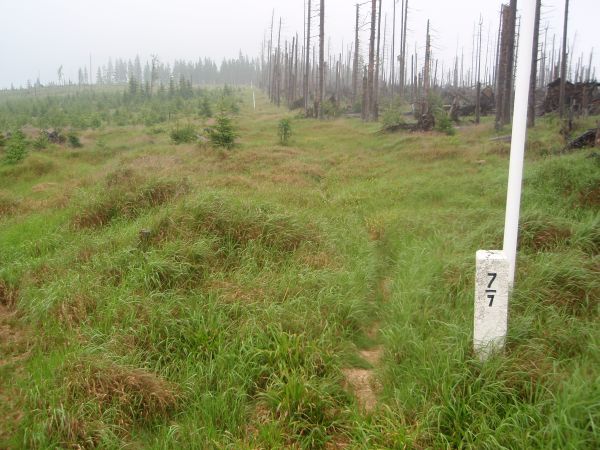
[
  {"x": 519, "y": 133},
  {"x": 491, "y": 302}
]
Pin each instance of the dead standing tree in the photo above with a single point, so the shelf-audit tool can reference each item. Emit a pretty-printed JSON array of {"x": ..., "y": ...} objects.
[
  {"x": 307, "y": 63},
  {"x": 504, "y": 71},
  {"x": 534, "y": 61},
  {"x": 509, "y": 80},
  {"x": 392, "y": 59},
  {"x": 426, "y": 120},
  {"x": 371, "y": 69},
  {"x": 356, "y": 58},
  {"x": 402, "y": 81},
  {"x": 321, "y": 58},
  {"x": 478, "y": 90},
  {"x": 563, "y": 64},
  {"x": 375, "y": 110}
]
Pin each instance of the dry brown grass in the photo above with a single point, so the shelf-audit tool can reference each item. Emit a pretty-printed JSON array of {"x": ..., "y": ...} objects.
[
  {"x": 8, "y": 294},
  {"x": 77, "y": 308},
  {"x": 590, "y": 198},
  {"x": 133, "y": 395},
  {"x": 8, "y": 204},
  {"x": 231, "y": 292}
]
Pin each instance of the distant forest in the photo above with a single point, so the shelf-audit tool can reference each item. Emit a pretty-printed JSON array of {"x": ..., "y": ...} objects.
[{"x": 153, "y": 73}]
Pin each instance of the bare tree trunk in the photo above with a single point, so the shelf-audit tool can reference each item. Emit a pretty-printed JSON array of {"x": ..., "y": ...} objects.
[
  {"x": 542, "y": 83},
  {"x": 278, "y": 67},
  {"x": 563, "y": 65},
  {"x": 270, "y": 60},
  {"x": 393, "y": 58},
  {"x": 403, "y": 50},
  {"x": 307, "y": 63},
  {"x": 501, "y": 66},
  {"x": 295, "y": 87},
  {"x": 356, "y": 50},
  {"x": 365, "y": 90},
  {"x": 321, "y": 57},
  {"x": 371, "y": 69},
  {"x": 426, "y": 74},
  {"x": 534, "y": 61},
  {"x": 377, "y": 63},
  {"x": 509, "y": 78},
  {"x": 478, "y": 91}
]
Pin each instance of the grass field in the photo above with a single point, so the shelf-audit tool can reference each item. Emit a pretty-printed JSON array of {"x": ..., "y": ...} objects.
[{"x": 314, "y": 295}]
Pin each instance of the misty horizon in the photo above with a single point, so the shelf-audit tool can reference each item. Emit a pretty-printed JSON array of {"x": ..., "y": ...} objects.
[{"x": 66, "y": 33}]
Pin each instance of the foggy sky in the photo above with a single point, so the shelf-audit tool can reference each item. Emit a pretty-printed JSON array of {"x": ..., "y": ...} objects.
[{"x": 38, "y": 36}]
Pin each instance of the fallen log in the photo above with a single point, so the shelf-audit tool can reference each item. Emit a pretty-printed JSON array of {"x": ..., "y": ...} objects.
[
  {"x": 506, "y": 138},
  {"x": 587, "y": 139},
  {"x": 400, "y": 127}
]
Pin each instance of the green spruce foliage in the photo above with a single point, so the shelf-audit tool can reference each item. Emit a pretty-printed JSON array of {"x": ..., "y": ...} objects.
[
  {"x": 284, "y": 130},
  {"x": 205, "y": 110},
  {"x": 223, "y": 133},
  {"x": 16, "y": 148},
  {"x": 73, "y": 140}
]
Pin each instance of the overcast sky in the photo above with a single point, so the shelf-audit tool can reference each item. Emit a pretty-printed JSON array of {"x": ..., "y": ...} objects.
[{"x": 37, "y": 36}]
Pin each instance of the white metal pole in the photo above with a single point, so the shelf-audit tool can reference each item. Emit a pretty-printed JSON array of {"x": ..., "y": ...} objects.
[{"x": 519, "y": 132}]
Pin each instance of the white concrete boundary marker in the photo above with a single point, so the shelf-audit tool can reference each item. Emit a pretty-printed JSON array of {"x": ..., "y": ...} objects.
[
  {"x": 491, "y": 302},
  {"x": 484, "y": 337}
]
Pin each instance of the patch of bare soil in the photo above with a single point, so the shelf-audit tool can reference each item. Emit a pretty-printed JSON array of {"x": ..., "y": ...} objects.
[
  {"x": 14, "y": 349},
  {"x": 363, "y": 382}
]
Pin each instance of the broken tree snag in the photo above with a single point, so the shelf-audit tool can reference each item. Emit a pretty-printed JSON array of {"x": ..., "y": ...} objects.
[{"x": 563, "y": 64}]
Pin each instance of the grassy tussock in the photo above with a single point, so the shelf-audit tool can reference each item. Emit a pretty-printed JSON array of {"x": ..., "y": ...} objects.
[
  {"x": 571, "y": 180},
  {"x": 543, "y": 233},
  {"x": 236, "y": 223},
  {"x": 102, "y": 398},
  {"x": 126, "y": 196},
  {"x": 32, "y": 168}
]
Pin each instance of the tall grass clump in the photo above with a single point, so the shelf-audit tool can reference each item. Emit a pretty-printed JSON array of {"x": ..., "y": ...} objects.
[
  {"x": 185, "y": 134},
  {"x": 126, "y": 196}
]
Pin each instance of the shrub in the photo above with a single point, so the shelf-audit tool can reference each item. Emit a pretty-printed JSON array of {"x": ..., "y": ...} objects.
[
  {"x": 184, "y": 134},
  {"x": 73, "y": 140},
  {"x": 391, "y": 118},
  {"x": 16, "y": 148},
  {"x": 222, "y": 134},
  {"x": 330, "y": 109},
  {"x": 41, "y": 142},
  {"x": 444, "y": 123},
  {"x": 2, "y": 140},
  {"x": 205, "y": 108},
  {"x": 285, "y": 131}
]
